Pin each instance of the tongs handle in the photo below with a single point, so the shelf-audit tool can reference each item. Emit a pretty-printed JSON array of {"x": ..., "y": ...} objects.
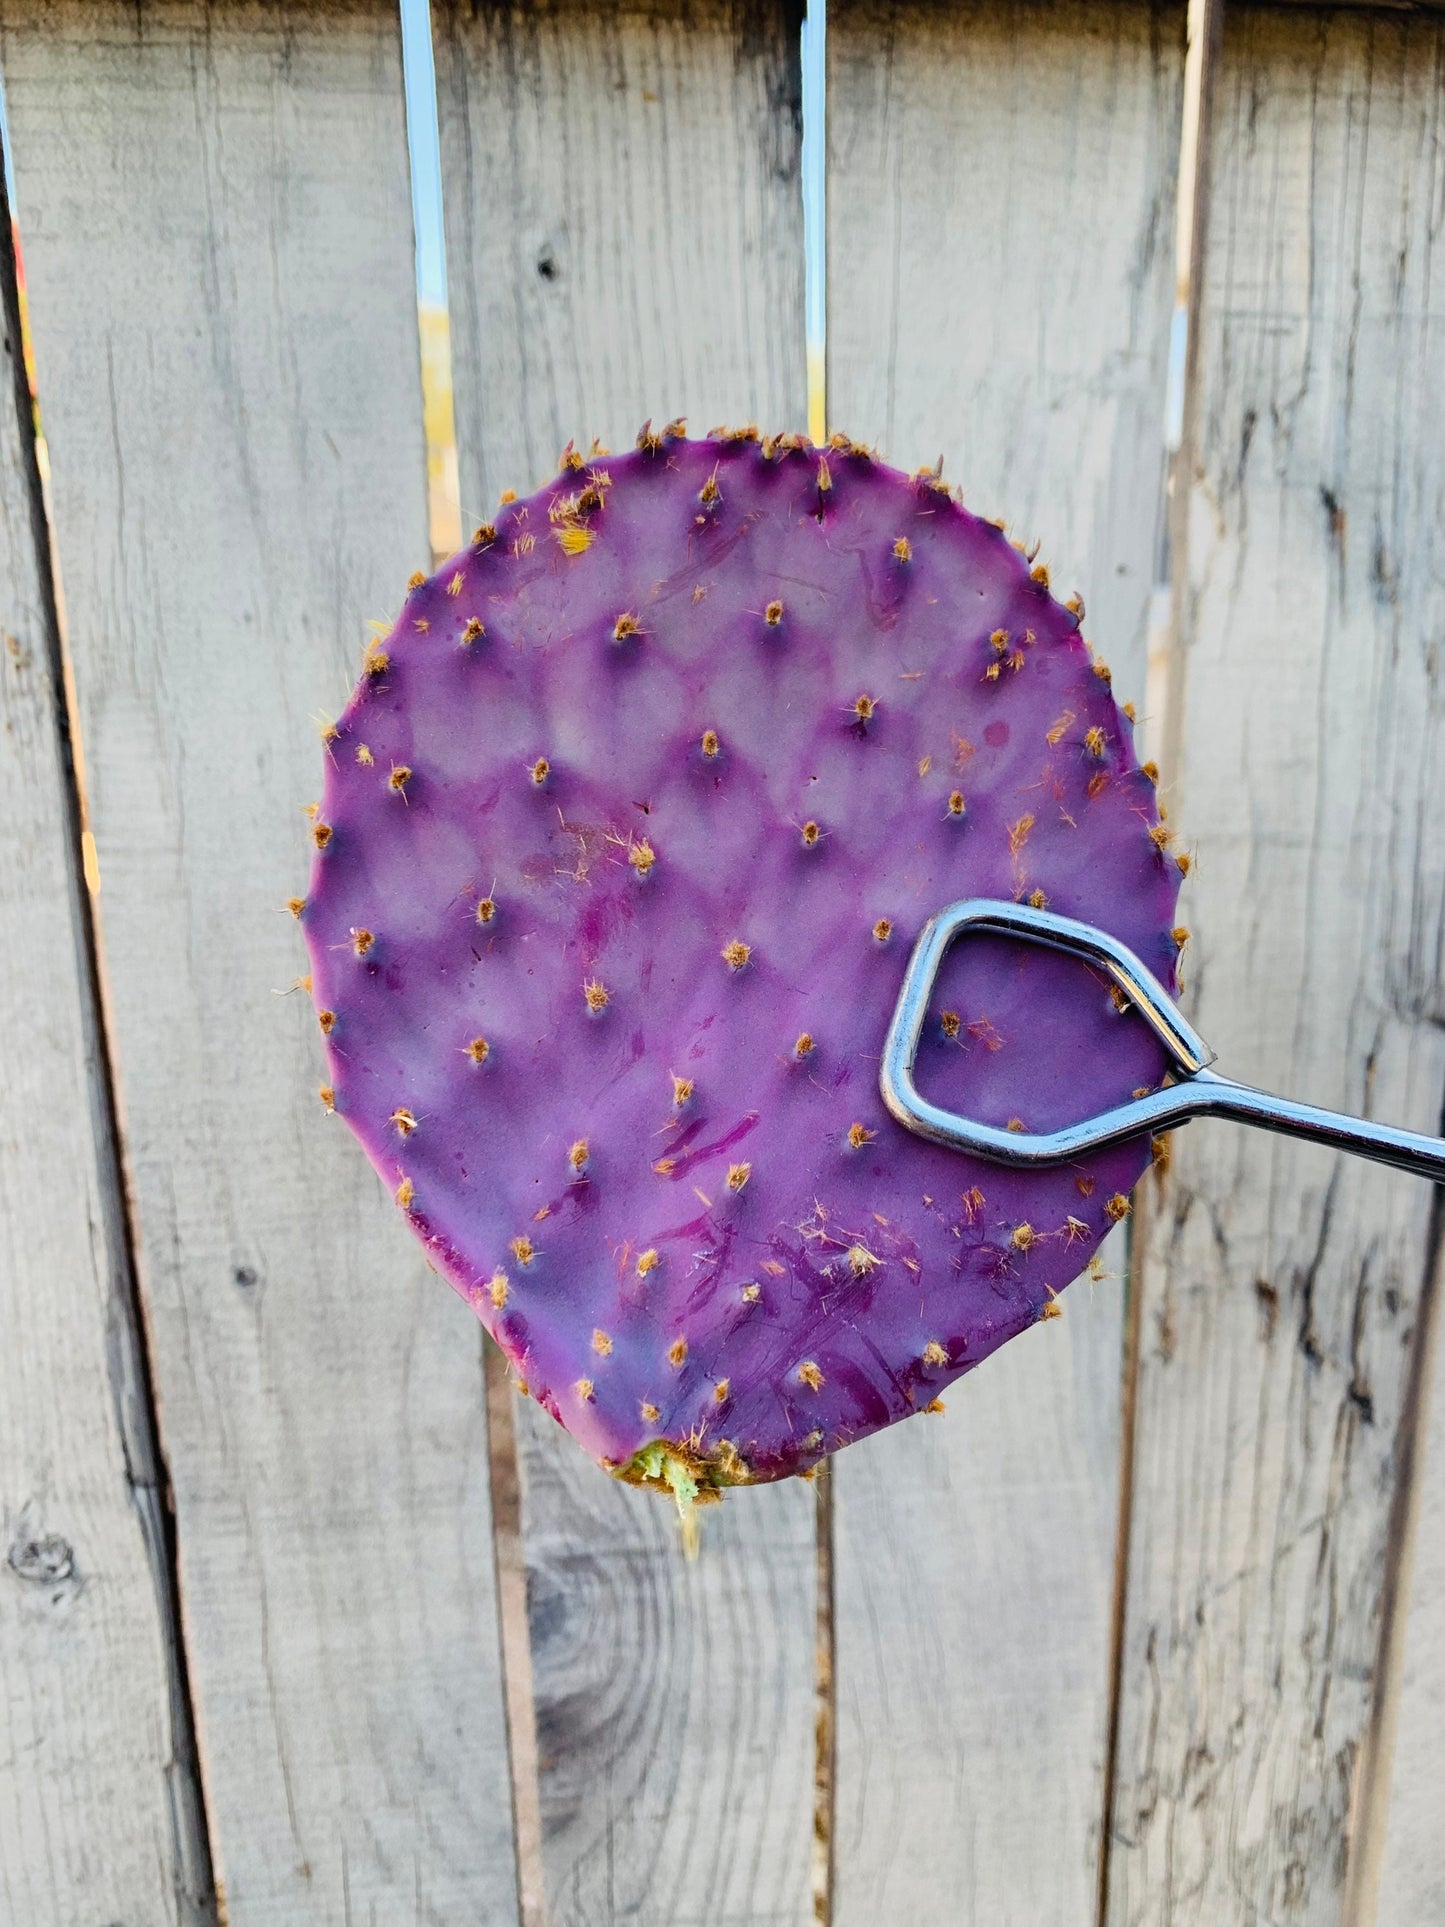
[
  {"x": 1385, "y": 1143},
  {"x": 1198, "y": 1091}
]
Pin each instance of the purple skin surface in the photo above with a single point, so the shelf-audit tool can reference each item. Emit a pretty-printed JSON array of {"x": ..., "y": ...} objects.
[{"x": 772, "y": 1267}]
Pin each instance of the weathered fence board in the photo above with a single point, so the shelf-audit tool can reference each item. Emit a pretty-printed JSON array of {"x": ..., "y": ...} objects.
[
  {"x": 86, "y": 1748},
  {"x": 1280, "y": 1285},
  {"x": 218, "y": 239},
  {"x": 625, "y": 240},
  {"x": 1412, "y": 1880},
  {"x": 1000, "y": 223}
]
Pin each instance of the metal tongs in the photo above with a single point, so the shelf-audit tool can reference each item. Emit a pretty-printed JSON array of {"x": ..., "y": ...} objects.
[{"x": 1197, "y": 1091}]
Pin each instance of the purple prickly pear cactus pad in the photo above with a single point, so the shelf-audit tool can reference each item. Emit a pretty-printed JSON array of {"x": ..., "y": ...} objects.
[{"x": 628, "y": 830}]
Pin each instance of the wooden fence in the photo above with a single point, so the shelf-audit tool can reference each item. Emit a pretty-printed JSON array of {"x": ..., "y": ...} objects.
[{"x": 304, "y": 1618}]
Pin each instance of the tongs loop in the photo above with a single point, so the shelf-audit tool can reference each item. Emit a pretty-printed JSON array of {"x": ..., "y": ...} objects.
[{"x": 1197, "y": 1090}]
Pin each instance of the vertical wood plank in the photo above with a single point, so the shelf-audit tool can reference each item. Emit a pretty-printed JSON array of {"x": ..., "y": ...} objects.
[
  {"x": 1001, "y": 213},
  {"x": 218, "y": 239},
  {"x": 88, "y": 1756},
  {"x": 1280, "y": 1287},
  {"x": 624, "y": 231}
]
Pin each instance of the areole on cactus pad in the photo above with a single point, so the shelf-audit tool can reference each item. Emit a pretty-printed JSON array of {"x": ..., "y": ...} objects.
[{"x": 627, "y": 831}]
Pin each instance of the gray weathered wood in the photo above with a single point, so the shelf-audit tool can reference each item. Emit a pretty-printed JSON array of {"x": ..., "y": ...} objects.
[
  {"x": 673, "y": 1698},
  {"x": 624, "y": 224},
  {"x": 1411, "y": 1844},
  {"x": 217, "y": 232},
  {"x": 624, "y": 240},
  {"x": 1000, "y": 277},
  {"x": 93, "y": 1809},
  {"x": 1280, "y": 1285}
]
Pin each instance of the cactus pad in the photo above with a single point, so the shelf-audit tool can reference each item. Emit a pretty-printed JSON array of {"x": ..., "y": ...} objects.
[{"x": 627, "y": 832}]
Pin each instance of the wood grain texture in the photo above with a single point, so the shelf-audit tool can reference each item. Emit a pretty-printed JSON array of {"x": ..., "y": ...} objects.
[
  {"x": 673, "y": 1697},
  {"x": 1280, "y": 1286},
  {"x": 93, "y": 1792},
  {"x": 624, "y": 224},
  {"x": 217, "y": 235},
  {"x": 1000, "y": 278},
  {"x": 624, "y": 237},
  {"x": 1411, "y": 1886}
]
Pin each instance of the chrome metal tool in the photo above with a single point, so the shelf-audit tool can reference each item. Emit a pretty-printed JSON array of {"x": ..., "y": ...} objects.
[{"x": 1196, "y": 1090}]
